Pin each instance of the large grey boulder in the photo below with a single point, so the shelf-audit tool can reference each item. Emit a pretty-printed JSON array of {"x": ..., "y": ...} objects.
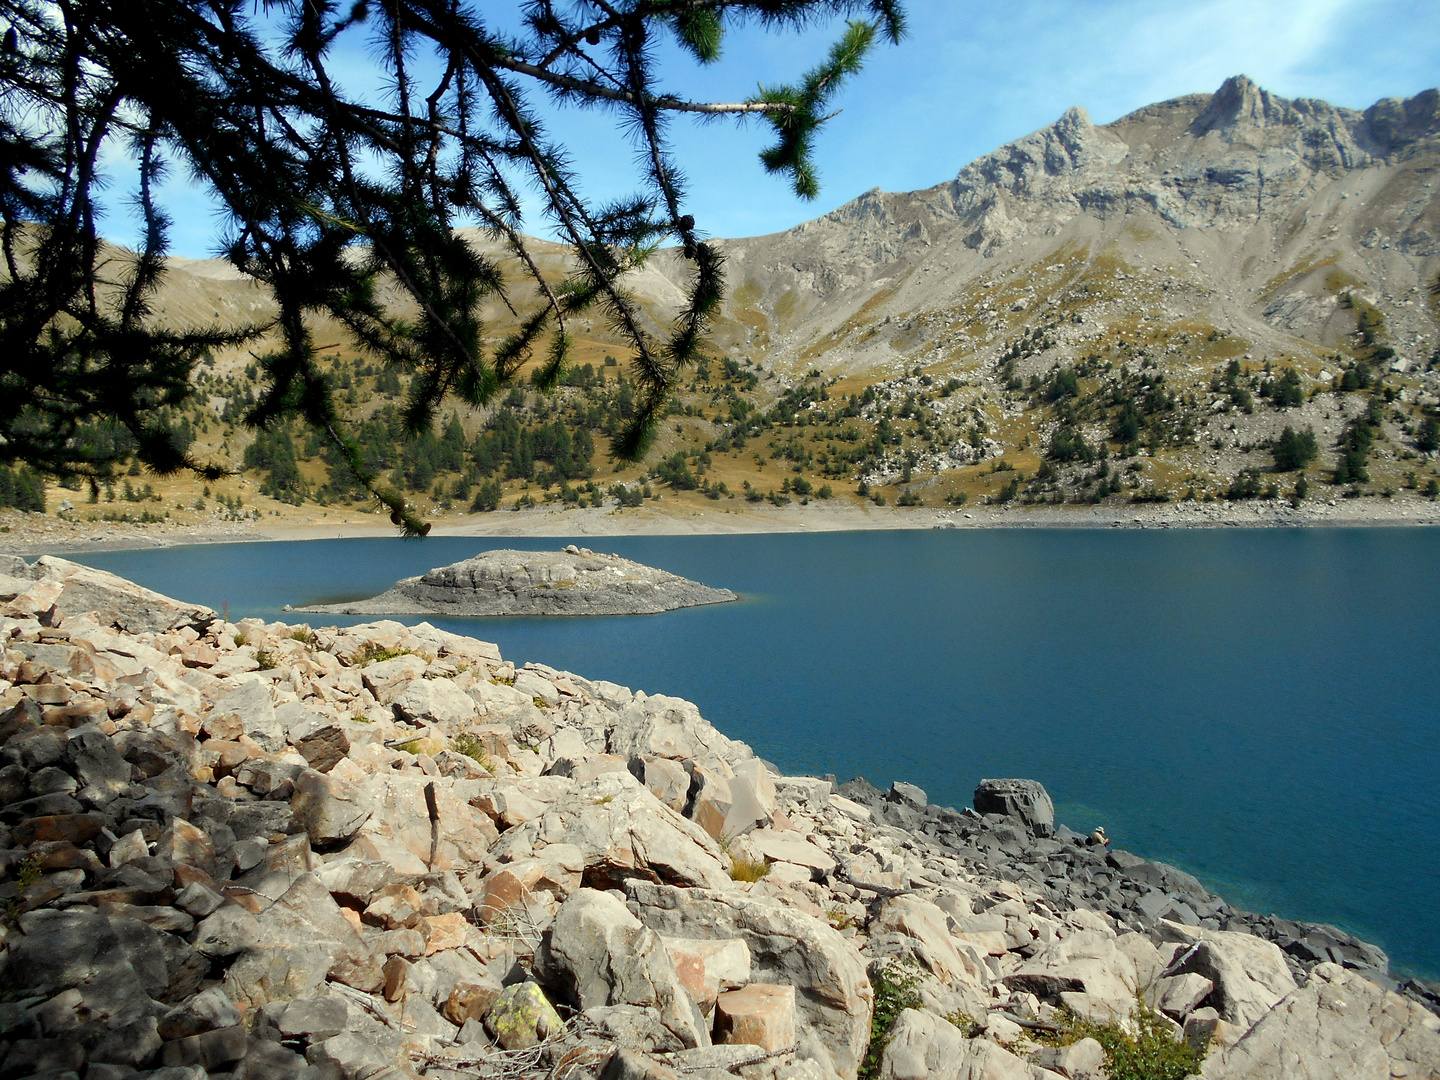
[
  {"x": 925, "y": 1047},
  {"x": 1338, "y": 1026},
  {"x": 301, "y": 939},
  {"x": 330, "y": 812},
  {"x": 227, "y": 931},
  {"x": 1088, "y": 962},
  {"x": 669, "y": 727},
  {"x": 623, "y": 832},
  {"x": 1249, "y": 973},
  {"x": 113, "y": 601},
  {"x": 97, "y": 766},
  {"x": 598, "y": 954},
  {"x": 436, "y": 701},
  {"x": 834, "y": 1000},
  {"x": 50, "y": 951},
  {"x": 209, "y": 1010},
  {"x": 1025, "y": 800},
  {"x": 924, "y": 924},
  {"x": 248, "y": 699},
  {"x": 388, "y": 679}
]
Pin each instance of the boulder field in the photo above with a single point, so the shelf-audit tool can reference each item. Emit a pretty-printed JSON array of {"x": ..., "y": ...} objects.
[{"x": 265, "y": 851}]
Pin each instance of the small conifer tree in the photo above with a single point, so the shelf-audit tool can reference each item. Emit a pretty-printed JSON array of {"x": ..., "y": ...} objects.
[{"x": 333, "y": 197}]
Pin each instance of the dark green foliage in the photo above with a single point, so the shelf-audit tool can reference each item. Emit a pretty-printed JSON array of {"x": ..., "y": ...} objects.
[
  {"x": 1427, "y": 438},
  {"x": 1127, "y": 424},
  {"x": 1356, "y": 443},
  {"x": 487, "y": 497},
  {"x": 1357, "y": 377},
  {"x": 676, "y": 472},
  {"x": 332, "y": 202},
  {"x": 896, "y": 987},
  {"x": 1286, "y": 391},
  {"x": 1151, "y": 1053},
  {"x": 1246, "y": 485},
  {"x": 273, "y": 453},
  {"x": 1150, "y": 494},
  {"x": 1064, "y": 383},
  {"x": 22, "y": 488},
  {"x": 511, "y": 446},
  {"x": 1295, "y": 449},
  {"x": 1068, "y": 444},
  {"x": 627, "y": 496},
  {"x": 1369, "y": 320}
]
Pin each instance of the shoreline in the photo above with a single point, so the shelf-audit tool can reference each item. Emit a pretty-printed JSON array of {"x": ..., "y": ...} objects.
[
  {"x": 33, "y": 534},
  {"x": 428, "y": 815}
]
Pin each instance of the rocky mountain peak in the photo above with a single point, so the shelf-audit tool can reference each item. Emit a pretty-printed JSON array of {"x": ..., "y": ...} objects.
[
  {"x": 1396, "y": 125},
  {"x": 1239, "y": 105}
]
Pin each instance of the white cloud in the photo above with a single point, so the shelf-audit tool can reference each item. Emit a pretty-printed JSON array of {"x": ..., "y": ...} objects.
[{"x": 1195, "y": 46}]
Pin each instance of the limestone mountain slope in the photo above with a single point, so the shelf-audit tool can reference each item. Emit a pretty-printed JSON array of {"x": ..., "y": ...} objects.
[
  {"x": 1171, "y": 290},
  {"x": 1243, "y": 202},
  {"x": 1239, "y": 203}
]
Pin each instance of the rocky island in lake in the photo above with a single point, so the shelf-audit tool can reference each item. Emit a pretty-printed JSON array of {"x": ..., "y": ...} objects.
[{"x": 575, "y": 581}]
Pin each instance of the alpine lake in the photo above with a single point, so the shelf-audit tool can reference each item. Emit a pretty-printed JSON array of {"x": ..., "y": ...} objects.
[{"x": 1257, "y": 707}]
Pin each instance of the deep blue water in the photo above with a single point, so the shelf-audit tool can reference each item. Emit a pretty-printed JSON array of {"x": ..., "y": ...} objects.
[{"x": 1257, "y": 707}]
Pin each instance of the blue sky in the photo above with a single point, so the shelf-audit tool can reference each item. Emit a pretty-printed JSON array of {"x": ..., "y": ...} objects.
[{"x": 970, "y": 77}]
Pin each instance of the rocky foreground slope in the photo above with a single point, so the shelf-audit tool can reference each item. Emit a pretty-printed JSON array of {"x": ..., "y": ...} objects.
[
  {"x": 576, "y": 581},
  {"x": 261, "y": 851}
]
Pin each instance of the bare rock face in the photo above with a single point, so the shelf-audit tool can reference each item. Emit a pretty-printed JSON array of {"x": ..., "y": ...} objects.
[
  {"x": 601, "y": 955},
  {"x": 834, "y": 1000},
  {"x": 1336, "y": 1025},
  {"x": 576, "y": 581},
  {"x": 923, "y": 1045},
  {"x": 1026, "y": 800}
]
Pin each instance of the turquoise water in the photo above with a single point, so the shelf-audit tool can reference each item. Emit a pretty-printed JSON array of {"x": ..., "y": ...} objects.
[{"x": 1257, "y": 707}]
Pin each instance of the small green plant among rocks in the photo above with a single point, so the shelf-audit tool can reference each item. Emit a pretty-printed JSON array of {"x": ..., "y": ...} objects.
[
  {"x": 1152, "y": 1052},
  {"x": 471, "y": 746},
  {"x": 26, "y": 874},
  {"x": 968, "y": 1025},
  {"x": 265, "y": 660},
  {"x": 743, "y": 869},
  {"x": 374, "y": 653},
  {"x": 897, "y": 988}
]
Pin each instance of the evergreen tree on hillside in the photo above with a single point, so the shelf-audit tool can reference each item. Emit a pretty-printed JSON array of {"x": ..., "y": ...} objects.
[
  {"x": 1295, "y": 449},
  {"x": 331, "y": 199},
  {"x": 273, "y": 453}
]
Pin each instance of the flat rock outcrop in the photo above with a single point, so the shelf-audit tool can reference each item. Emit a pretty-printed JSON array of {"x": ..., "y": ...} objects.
[
  {"x": 576, "y": 581},
  {"x": 387, "y": 852}
]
